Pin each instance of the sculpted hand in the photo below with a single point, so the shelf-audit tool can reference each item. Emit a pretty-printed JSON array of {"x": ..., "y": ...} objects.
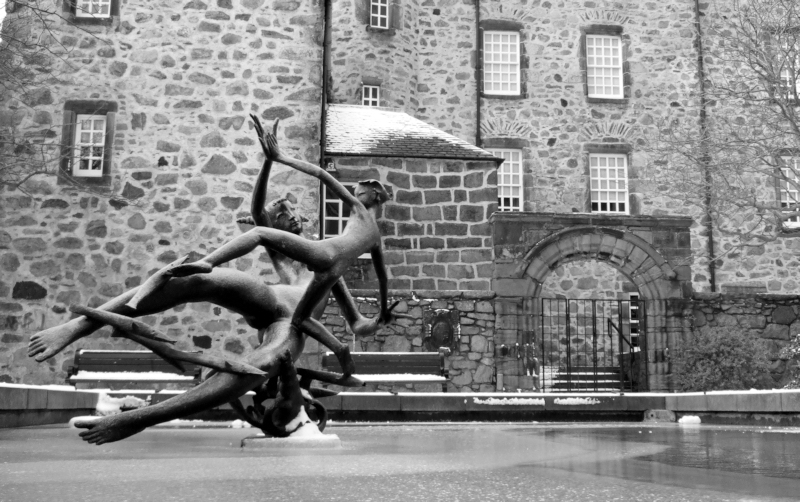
[
  {"x": 269, "y": 141},
  {"x": 388, "y": 317}
]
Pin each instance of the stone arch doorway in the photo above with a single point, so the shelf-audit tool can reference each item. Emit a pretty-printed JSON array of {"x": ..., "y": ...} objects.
[
  {"x": 590, "y": 335},
  {"x": 638, "y": 252}
]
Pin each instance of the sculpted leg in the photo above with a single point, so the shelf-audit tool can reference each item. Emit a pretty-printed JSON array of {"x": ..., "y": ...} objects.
[
  {"x": 217, "y": 390},
  {"x": 230, "y": 289},
  {"x": 317, "y": 290},
  {"x": 45, "y": 344}
]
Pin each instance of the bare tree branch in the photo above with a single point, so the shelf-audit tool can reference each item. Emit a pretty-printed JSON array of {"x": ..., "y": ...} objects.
[{"x": 737, "y": 170}]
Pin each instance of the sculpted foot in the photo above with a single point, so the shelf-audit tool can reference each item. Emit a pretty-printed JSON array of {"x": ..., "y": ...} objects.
[
  {"x": 45, "y": 344},
  {"x": 106, "y": 430}
]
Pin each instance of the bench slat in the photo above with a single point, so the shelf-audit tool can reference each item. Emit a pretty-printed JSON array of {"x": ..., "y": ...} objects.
[
  {"x": 134, "y": 368},
  {"x": 107, "y": 354},
  {"x": 394, "y": 367},
  {"x": 126, "y": 365}
]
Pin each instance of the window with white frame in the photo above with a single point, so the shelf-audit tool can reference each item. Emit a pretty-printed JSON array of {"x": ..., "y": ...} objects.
[
  {"x": 788, "y": 76},
  {"x": 790, "y": 190},
  {"x": 93, "y": 8},
  {"x": 379, "y": 14},
  {"x": 609, "y": 182},
  {"x": 604, "y": 66},
  {"x": 509, "y": 180},
  {"x": 89, "y": 147},
  {"x": 501, "y": 63},
  {"x": 334, "y": 212},
  {"x": 371, "y": 95}
]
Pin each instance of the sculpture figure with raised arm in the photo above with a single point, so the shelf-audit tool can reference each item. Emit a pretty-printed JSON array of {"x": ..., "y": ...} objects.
[
  {"x": 328, "y": 258},
  {"x": 265, "y": 307}
]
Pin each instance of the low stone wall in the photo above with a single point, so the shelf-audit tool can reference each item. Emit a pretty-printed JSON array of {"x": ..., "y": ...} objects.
[
  {"x": 773, "y": 318},
  {"x": 22, "y": 406},
  {"x": 470, "y": 315}
]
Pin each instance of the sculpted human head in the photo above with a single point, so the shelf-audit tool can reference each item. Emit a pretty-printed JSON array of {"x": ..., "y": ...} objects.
[
  {"x": 283, "y": 216},
  {"x": 372, "y": 193}
]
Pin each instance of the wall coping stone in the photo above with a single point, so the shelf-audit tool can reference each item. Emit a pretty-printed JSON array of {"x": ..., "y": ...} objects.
[
  {"x": 444, "y": 294},
  {"x": 774, "y": 297}
]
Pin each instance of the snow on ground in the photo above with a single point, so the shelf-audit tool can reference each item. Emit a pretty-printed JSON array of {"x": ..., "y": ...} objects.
[
  {"x": 518, "y": 401},
  {"x": 240, "y": 424},
  {"x": 107, "y": 405}
]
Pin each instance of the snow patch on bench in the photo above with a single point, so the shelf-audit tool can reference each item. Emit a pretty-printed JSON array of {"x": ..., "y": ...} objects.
[
  {"x": 130, "y": 376},
  {"x": 399, "y": 377},
  {"x": 518, "y": 401},
  {"x": 576, "y": 401}
]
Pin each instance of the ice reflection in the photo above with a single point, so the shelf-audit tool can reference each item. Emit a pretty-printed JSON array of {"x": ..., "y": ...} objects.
[
  {"x": 773, "y": 453},
  {"x": 739, "y": 460}
]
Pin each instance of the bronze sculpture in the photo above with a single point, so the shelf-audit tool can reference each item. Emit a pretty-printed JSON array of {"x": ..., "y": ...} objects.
[
  {"x": 267, "y": 308},
  {"x": 328, "y": 258}
]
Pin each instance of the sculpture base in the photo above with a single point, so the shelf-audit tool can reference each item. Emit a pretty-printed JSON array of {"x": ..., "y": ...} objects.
[{"x": 323, "y": 441}]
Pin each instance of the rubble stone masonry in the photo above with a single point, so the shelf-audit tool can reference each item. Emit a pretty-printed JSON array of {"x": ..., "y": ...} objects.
[{"x": 184, "y": 76}]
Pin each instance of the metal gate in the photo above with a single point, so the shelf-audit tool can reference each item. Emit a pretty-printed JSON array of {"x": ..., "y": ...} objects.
[{"x": 593, "y": 345}]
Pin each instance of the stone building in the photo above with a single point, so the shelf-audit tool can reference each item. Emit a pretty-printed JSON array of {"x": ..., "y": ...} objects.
[{"x": 564, "y": 92}]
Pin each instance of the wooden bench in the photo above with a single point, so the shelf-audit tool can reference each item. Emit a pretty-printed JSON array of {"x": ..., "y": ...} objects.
[
  {"x": 396, "y": 367},
  {"x": 117, "y": 368}
]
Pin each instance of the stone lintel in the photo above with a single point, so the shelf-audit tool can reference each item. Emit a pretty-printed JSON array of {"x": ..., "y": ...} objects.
[{"x": 570, "y": 219}]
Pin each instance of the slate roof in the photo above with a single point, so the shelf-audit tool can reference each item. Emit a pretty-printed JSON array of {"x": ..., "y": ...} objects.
[{"x": 367, "y": 131}]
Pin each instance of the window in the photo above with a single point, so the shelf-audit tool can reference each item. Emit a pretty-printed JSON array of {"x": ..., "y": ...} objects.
[
  {"x": 95, "y": 12},
  {"x": 89, "y": 148},
  {"x": 93, "y": 8},
  {"x": 501, "y": 63},
  {"x": 788, "y": 76},
  {"x": 334, "y": 212},
  {"x": 379, "y": 14},
  {"x": 790, "y": 190},
  {"x": 371, "y": 95},
  {"x": 609, "y": 183},
  {"x": 604, "y": 66},
  {"x": 509, "y": 180},
  {"x": 633, "y": 310},
  {"x": 87, "y": 141}
]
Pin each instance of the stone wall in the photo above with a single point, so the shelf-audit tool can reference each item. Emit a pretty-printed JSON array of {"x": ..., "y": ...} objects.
[
  {"x": 772, "y": 318},
  {"x": 388, "y": 58},
  {"x": 184, "y": 77},
  {"x": 772, "y": 267},
  {"x": 436, "y": 230},
  {"x": 471, "y": 363},
  {"x": 591, "y": 279}
]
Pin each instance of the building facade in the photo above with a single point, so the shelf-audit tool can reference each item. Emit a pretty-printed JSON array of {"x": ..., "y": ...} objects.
[{"x": 567, "y": 93}]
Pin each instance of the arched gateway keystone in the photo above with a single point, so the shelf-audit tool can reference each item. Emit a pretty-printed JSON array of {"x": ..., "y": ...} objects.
[{"x": 653, "y": 253}]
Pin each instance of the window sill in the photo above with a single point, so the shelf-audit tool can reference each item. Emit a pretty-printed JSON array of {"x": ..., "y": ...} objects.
[
  {"x": 503, "y": 96},
  {"x": 91, "y": 21},
  {"x": 790, "y": 231},
  {"x": 384, "y": 31},
  {"x": 607, "y": 101}
]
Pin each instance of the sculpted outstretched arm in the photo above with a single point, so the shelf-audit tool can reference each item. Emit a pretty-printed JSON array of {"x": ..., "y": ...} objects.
[
  {"x": 271, "y": 145},
  {"x": 259, "y": 200}
]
